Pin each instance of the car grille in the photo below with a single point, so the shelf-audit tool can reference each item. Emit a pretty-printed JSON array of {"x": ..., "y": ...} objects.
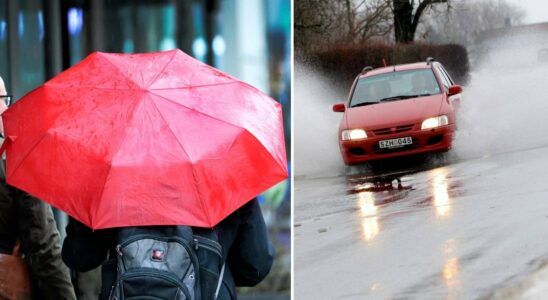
[
  {"x": 378, "y": 150},
  {"x": 391, "y": 130}
]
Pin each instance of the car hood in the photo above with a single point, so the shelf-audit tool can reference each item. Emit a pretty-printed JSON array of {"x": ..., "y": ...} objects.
[{"x": 393, "y": 113}]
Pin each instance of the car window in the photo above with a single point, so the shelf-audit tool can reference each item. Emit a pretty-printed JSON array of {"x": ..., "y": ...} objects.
[
  {"x": 444, "y": 78},
  {"x": 451, "y": 82},
  {"x": 394, "y": 86}
]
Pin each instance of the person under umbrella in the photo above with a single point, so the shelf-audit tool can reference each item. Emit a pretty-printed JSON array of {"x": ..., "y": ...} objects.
[
  {"x": 160, "y": 144},
  {"x": 30, "y": 221},
  {"x": 246, "y": 250}
]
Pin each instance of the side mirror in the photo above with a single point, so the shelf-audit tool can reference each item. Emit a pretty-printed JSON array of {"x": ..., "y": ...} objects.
[
  {"x": 453, "y": 90},
  {"x": 339, "y": 107}
]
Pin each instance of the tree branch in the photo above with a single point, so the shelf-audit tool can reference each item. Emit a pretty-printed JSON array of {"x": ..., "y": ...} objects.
[{"x": 422, "y": 6}]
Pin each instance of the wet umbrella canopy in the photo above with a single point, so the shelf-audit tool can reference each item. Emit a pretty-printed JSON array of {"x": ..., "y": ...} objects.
[{"x": 145, "y": 139}]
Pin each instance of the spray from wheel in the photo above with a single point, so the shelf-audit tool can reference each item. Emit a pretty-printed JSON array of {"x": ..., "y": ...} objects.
[{"x": 316, "y": 125}]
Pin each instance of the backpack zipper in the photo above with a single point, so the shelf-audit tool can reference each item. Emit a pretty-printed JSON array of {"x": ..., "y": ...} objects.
[
  {"x": 172, "y": 279},
  {"x": 152, "y": 237},
  {"x": 207, "y": 244}
]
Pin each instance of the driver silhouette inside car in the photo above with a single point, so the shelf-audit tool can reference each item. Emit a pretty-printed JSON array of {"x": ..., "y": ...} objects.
[
  {"x": 379, "y": 90},
  {"x": 421, "y": 84}
]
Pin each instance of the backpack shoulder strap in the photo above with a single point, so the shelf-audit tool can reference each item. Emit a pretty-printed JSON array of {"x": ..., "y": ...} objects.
[
  {"x": 210, "y": 258},
  {"x": 220, "y": 281}
]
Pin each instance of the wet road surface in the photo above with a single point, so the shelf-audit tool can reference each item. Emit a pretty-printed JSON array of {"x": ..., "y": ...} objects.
[{"x": 459, "y": 230}]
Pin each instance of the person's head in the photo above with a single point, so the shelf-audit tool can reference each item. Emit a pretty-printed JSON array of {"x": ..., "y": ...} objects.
[
  {"x": 419, "y": 81},
  {"x": 379, "y": 90}
]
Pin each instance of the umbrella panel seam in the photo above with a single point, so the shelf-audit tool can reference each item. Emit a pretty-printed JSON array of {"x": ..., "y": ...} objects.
[
  {"x": 153, "y": 80},
  {"x": 194, "y": 109},
  {"x": 191, "y": 163},
  {"x": 195, "y": 86},
  {"x": 38, "y": 141},
  {"x": 261, "y": 145},
  {"x": 53, "y": 85},
  {"x": 113, "y": 154},
  {"x": 104, "y": 57},
  {"x": 224, "y": 121}
]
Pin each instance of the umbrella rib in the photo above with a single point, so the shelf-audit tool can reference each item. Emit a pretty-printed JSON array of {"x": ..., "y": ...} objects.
[
  {"x": 159, "y": 73},
  {"x": 224, "y": 121},
  {"x": 122, "y": 140},
  {"x": 92, "y": 87},
  {"x": 191, "y": 164},
  {"x": 262, "y": 146},
  {"x": 98, "y": 200},
  {"x": 38, "y": 141},
  {"x": 191, "y": 108},
  {"x": 160, "y": 89},
  {"x": 197, "y": 86},
  {"x": 119, "y": 71}
]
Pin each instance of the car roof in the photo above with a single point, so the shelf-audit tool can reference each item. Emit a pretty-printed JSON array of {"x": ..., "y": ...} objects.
[{"x": 418, "y": 65}]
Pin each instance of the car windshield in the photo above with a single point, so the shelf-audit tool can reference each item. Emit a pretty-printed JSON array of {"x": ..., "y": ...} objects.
[{"x": 394, "y": 86}]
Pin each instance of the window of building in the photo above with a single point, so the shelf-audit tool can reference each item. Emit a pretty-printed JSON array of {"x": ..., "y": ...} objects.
[
  {"x": 31, "y": 34},
  {"x": 4, "y": 71}
]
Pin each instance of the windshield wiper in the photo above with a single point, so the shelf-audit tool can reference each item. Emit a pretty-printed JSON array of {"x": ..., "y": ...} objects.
[
  {"x": 394, "y": 98},
  {"x": 401, "y": 97},
  {"x": 364, "y": 103},
  {"x": 419, "y": 95}
]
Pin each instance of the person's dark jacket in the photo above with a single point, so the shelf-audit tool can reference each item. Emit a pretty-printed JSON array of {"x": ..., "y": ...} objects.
[
  {"x": 29, "y": 220},
  {"x": 243, "y": 236}
]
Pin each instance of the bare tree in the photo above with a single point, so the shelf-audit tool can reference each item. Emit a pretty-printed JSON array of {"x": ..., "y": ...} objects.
[
  {"x": 407, "y": 14},
  {"x": 315, "y": 23},
  {"x": 320, "y": 24},
  {"x": 368, "y": 19},
  {"x": 467, "y": 19}
]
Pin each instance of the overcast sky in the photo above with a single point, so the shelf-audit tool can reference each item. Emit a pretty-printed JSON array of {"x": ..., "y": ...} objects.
[{"x": 537, "y": 10}]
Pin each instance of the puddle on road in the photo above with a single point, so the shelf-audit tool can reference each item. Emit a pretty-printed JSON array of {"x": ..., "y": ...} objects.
[
  {"x": 372, "y": 192},
  {"x": 441, "y": 200},
  {"x": 442, "y": 191},
  {"x": 368, "y": 215},
  {"x": 438, "y": 188}
]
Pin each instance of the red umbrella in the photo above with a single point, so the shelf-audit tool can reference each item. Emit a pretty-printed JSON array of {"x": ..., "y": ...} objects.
[{"x": 145, "y": 139}]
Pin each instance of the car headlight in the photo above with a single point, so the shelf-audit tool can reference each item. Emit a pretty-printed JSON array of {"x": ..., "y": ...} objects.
[
  {"x": 434, "y": 122},
  {"x": 353, "y": 134}
]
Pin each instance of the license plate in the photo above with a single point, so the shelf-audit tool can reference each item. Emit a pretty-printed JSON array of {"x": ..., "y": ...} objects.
[{"x": 396, "y": 143}]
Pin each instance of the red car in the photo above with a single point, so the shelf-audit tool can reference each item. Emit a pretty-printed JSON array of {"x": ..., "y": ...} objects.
[{"x": 398, "y": 110}]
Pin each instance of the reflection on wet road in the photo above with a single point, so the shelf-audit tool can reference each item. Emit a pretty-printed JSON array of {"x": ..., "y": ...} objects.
[
  {"x": 451, "y": 268},
  {"x": 441, "y": 202},
  {"x": 455, "y": 231},
  {"x": 368, "y": 215}
]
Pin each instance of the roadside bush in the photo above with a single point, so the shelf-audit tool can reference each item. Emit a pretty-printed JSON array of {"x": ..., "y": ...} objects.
[{"x": 344, "y": 62}]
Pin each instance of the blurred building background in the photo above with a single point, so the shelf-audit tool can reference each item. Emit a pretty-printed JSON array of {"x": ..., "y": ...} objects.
[{"x": 249, "y": 39}]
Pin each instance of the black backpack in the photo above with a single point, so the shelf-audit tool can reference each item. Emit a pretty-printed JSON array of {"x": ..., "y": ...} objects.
[{"x": 168, "y": 262}]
